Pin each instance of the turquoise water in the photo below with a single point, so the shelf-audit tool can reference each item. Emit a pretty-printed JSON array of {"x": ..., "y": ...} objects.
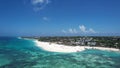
[{"x": 20, "y": 53}]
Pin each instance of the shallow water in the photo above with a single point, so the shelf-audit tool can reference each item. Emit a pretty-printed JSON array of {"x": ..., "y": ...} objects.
[{"x": 21, "y": 53}]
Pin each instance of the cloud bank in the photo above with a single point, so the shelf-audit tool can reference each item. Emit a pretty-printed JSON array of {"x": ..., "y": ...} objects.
[
  {"x": 72, "y": 30},
  {"x": 85, "y": 30},
  {"x": 82, "y": 29}
]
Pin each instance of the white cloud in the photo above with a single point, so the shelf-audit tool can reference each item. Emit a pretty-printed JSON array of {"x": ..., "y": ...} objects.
[
  {"x": 82, "y": 28},
  {"x": 34, "y": 2},
  {"x": 39, "y": 4},
  {"x": 72, "y": 30},
  {"x": 46, "y": 19},
  {"x": 64, "y": 31},
  {"x": 91, "y": 30}
]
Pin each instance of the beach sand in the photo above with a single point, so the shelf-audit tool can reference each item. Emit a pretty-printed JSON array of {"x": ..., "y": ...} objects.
[{"x": 53, "y": 47}]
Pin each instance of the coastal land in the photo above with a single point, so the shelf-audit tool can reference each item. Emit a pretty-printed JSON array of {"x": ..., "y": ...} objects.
[
  {"x": 77, "y": 44},
  {"x": 53, "y": 47}
]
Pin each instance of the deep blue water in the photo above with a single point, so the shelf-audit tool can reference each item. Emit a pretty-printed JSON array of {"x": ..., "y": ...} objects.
[{"x": 21, "y": 53}]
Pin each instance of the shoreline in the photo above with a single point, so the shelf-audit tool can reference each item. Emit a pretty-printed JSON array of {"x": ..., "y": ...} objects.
[{"x": 53, "y": 47}]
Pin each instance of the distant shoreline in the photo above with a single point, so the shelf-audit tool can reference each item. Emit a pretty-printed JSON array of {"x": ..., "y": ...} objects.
[{"x": 53, "y": 47}]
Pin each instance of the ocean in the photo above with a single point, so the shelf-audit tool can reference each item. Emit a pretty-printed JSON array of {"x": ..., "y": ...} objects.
[{"x": 22, "y": 53}]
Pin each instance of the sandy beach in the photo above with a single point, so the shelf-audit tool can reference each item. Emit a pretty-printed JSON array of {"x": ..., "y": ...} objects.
[{"x": 53, "y": 47}]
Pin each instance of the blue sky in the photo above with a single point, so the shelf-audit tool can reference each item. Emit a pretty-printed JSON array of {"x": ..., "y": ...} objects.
[{"x": 59, "y": 17}]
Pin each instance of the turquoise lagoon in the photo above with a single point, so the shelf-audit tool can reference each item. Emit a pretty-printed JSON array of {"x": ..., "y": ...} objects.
[{"x": 21, "y": 53}]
